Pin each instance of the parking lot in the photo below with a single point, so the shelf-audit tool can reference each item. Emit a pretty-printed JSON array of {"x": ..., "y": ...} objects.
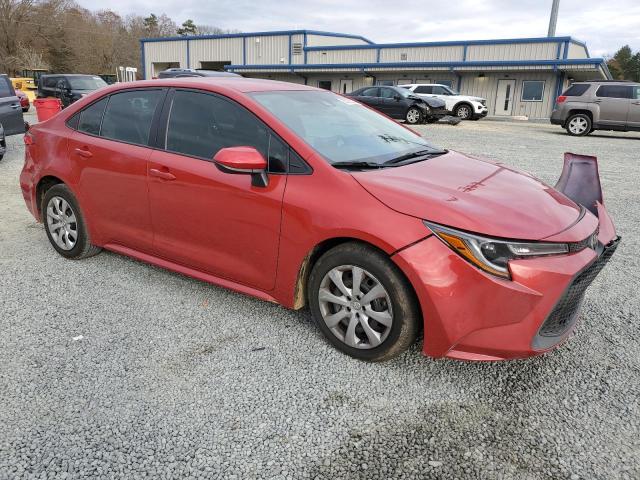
[{"x": 111, "y": 368}]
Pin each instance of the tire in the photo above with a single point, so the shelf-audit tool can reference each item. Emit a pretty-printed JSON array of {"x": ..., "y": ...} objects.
[
  {"x": 413, "y": 116},
  {"x": 59, "y": 203},
  {"x": 1, "y": 157},
  {"x": 394, "y": 304},
  {"x": 463, "y": 111},
  {"x": 579, "y": 125}
]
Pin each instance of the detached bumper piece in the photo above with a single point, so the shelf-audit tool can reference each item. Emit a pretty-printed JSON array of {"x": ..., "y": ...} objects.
[{"x": 565, "y": 314}]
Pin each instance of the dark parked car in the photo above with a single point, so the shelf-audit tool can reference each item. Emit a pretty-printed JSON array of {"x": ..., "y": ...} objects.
[
  {"x": 192, "y": 72},
  {"x": 401, "y": 104},
  {"x": 10, "y": 111},
  {"x": 3, "y": 143},
  {"x": 68, "y": 87}
]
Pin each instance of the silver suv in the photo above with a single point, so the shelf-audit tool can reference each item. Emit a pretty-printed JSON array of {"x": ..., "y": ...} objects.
[{"x": 598, "y": 105}]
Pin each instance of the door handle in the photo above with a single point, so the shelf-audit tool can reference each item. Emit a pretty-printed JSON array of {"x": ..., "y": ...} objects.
[
  {"x": 636, "y": 103},
  {"x": 154, "y": 172},
  {"x": 15, "y": 106},
  {"x": 84, "y": 153}
]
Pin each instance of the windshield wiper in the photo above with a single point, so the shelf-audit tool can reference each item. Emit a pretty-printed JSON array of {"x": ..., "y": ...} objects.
[
  {"x": 414, "y": 157},
  {"x": 357, "y": 164}
]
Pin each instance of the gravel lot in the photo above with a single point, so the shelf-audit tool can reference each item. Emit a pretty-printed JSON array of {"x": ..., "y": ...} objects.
[{"x": 111, "y": 368}]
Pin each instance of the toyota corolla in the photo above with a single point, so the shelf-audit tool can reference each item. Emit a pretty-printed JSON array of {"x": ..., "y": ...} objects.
[{"x": 299, "y": 196}]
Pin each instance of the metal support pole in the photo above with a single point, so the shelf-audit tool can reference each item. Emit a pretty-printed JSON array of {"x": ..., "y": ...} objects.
[{"x": 553, "y": 20}]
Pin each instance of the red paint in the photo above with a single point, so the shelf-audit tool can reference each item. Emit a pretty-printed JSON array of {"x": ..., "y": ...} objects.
[
  {"x": 47, "y": 108},
  {"x": 194, "y": 218},
  {"x": 24, "y": 100}
]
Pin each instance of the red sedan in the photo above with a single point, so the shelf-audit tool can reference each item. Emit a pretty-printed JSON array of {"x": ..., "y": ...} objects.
[
  {"x": 24, "y": 100},
  {"x": 303, "y": 197}
]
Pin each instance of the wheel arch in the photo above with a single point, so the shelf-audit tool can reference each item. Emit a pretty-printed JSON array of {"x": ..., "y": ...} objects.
[
  {"x": 301, "y": 287},
  {"x": 463, "y": 102},
  {"x": 44, "y": 184},
  {"x": 575, "y": 111}
]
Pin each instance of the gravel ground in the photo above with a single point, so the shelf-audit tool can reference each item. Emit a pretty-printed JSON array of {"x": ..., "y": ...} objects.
[{"x": 111, "y": 368}]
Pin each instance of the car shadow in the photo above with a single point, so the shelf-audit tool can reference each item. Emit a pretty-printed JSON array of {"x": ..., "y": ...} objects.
[{"x": 594, "y": 135}]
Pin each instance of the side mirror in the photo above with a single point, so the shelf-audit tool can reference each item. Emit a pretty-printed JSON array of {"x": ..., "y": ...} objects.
[
  {"x": 397, "y": 98},
  {"x": 243, "y": 160}
]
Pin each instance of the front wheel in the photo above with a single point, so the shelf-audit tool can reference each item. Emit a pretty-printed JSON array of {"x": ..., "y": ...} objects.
[
  {"x": 64, "y": 224},
  {"x": 579, "y": 125},
  {"x": 362, "y": 303},
  {"x": 413, "y": 116},
  {"x": 463, "y": 112}
]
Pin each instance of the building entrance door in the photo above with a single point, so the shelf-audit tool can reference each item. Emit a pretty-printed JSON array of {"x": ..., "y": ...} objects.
[
  {"x": 504, "y": 97},
  {"x": 346, "y": 86}
]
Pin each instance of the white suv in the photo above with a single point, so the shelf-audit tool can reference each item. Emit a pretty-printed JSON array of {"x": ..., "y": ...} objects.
[{"x": 462, "y": 106}]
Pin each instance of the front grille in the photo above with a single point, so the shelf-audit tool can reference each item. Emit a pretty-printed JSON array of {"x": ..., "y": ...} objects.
[{"x": 563, "y": 315}]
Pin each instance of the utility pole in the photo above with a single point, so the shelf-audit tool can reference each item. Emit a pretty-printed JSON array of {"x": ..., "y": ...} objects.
[{"x": 553, "y": 20}]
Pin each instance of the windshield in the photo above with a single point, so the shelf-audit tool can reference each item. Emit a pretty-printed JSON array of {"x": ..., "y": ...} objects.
[
  {"x": 86, "y": 83},
  {"x": 341, "y": 129},
  {"x": 451, "y": 92}
]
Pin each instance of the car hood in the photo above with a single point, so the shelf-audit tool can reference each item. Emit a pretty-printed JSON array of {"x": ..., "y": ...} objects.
[
  {"x": 474, "y": 195},
  {"x": 467, "y": 97}
]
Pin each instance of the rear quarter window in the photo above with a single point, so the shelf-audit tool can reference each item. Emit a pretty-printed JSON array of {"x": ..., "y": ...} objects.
[{"x": 576, "y": 90}]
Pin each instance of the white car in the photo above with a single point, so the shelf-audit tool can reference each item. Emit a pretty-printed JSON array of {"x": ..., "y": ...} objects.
[{"x": 462, "y": 106}]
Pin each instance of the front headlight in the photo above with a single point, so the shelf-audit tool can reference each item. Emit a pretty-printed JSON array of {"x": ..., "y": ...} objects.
[{"x": 490, "y": 254}]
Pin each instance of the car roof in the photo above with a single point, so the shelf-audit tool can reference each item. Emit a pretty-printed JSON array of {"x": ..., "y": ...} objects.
[
  {"x": 68, "y": 75},
  {"x": 238, "y": 84}
]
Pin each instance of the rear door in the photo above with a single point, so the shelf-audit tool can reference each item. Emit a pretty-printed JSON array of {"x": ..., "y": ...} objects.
[
  {"x": 614, "y": 102},
  {"x": 110, "y": 150},
  {"x": 10, "y": 109}
]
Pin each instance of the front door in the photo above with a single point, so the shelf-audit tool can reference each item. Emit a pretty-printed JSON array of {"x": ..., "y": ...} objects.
[
  {"x": 504, "y": 97},
  {"x": 204, "y": 218},
  {"x": 346, "y": 86},
  {"x": 110, "y": 152},
  {"x": 391, "y": 104},
  {"x": 10, "y": 109}
]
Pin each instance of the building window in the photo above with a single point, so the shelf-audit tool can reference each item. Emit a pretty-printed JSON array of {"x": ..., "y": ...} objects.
[
  {"x": 388, "y": 83},
  {"x": 448, "y": 83},
  {"x": 404, "y": 81},
  {"x": 324, "y": 84},
  {"x": 532, "y": 90},
  {"x": 403, "y": 56}
]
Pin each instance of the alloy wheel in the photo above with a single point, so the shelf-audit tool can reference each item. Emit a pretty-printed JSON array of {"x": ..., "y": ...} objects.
[
  {"x": 413, "y": 116},
  {"x": 62, "y": 223},
  {"x": 578, "y": 125},
  {"x": 355, "y": 306},
  {"x": 464, "y": 112}
]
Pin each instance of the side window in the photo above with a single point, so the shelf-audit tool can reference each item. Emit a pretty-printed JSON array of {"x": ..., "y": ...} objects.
[
  {"x": 615, "y": 91},
  {"x": 636, "y": 92},
  {"x": 438, "y": 90},
  {"x": 388, "y": 93},
  {"x": 532, "y": 90},
  {"x": 200, "y": 124},
  {"x": 370, "y": 92},
  {"x": 5, "y": 88},
  {"x": 129, "y": 114},
  {"x": 91, "y": 117},
  {"x": 278, "y": 155},
  {"x": 424, "y": 89},
  {"x": 50, "y": 82}
]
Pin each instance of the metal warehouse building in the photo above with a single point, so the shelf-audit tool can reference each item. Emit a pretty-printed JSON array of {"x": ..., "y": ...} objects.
[{"x": 520, "y": 76}]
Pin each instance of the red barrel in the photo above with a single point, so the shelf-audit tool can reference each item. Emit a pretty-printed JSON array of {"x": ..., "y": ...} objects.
[{"x": 47, "y": 107}]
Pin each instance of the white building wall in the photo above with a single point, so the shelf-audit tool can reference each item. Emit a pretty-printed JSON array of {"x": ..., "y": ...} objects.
[
  {"x": 267, "y": 50},
  {"x": 422, "y": 54},
  {"x": 164, "y": 52},
  {"x": 215, "y": 50},
  {"x": 577, "y": 51},
  {"x": 515, "y": 51},
  {"x": 341, "y": 56},
  {"x": 487, "y": 87}
]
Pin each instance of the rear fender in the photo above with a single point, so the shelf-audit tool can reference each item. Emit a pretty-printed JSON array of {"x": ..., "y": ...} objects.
[{"x": 580, "y": 181}]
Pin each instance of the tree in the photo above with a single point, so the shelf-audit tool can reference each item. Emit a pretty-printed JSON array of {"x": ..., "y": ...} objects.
[
  {"x": 625, "y": 65},
  {"x": 188, "y": 28}
]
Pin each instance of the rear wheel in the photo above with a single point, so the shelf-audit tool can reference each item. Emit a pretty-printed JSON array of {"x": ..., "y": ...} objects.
[
  {"x": 464, "y": 112},
  {"x": 65, "y": 224},
  {"x": 413, "y": 116},
  {"x": 579, "y": 125},
  {"x": 362, "y": 303}
]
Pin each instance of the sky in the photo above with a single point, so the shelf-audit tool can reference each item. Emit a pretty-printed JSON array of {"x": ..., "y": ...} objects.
[{"x": 603, "y": 25}]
